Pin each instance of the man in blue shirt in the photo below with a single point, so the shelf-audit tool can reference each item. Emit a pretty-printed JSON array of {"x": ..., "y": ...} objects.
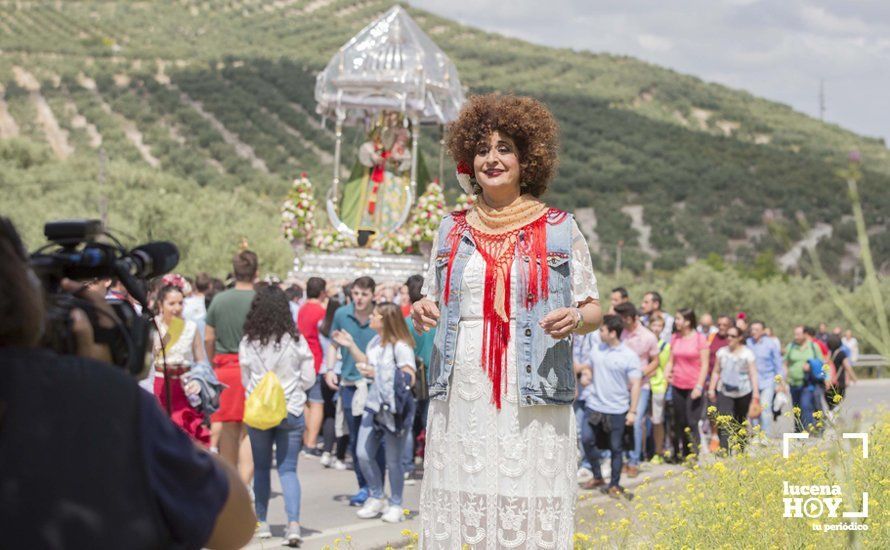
[
  {"x": 609, "y": 405},
  {"x": 768, "y": 358},
  {"x": 355, "y": 319}
]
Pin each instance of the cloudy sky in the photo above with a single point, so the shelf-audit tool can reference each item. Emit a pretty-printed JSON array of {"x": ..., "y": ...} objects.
[{"x": 777, "y": 49}]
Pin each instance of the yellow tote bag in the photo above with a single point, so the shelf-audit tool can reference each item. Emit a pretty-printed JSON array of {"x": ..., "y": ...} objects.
[{"x": 265, "y": 408}]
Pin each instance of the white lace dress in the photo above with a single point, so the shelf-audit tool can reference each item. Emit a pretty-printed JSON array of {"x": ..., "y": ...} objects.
[{"x": 498, "y": 479}]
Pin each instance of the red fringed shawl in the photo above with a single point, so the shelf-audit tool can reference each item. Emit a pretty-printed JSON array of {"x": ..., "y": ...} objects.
[{"x": 499, "y": 251}]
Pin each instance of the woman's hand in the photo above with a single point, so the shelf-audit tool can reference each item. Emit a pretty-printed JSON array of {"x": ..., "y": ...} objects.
[
  {"x": 410, "y": 372},
  {"x": 330, "y": 378},
  {"x": 561, "y": 322},
  {"x": 192, "y": 387},
  {"x": 365, "y": 369},
  {"x": 425, "y": 315}
]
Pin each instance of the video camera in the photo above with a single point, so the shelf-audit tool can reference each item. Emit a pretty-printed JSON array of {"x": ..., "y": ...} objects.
[{"x": 75, "y": 252}]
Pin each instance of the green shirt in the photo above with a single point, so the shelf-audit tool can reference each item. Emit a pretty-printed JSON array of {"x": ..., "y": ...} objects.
[
  {"x": 796, "y": 356},
  {"x": 362, "y": 334},
  {"x": 226, "y": 315}
]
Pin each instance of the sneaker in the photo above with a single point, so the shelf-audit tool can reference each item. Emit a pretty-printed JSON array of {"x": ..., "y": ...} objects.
[
  {"x": 409, "y": 479},
  {"x": 292, "y": 537},
  {"x": 326, "y": 460},
  {"x": 584, "y": 475},
  {"x": 262, "y": 530},
  {"x": 656, "y": 460},
  {"x": 393, "y": 514},
  {"x": 373, "y": 507},
  {"x": 359, "y": 498},
  {"x": 311, "y": 453},
  {"x": 592, "y": 484},
  {"x": 615, "y": 492},
  {"x": 633, "y": 471},
  {"x": 339, "y": 465}
]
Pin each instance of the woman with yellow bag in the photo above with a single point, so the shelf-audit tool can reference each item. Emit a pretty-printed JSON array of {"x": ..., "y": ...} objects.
[{"x": 277, "y": 368}]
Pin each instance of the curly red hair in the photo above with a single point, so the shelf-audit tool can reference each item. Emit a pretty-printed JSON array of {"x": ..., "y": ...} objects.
[{"x": 527, "y": 121}]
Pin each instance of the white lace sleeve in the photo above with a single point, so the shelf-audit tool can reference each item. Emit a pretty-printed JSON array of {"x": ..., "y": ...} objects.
[
  {"x": 429, "y": 288},
  {"x": 583, "y": 279}
]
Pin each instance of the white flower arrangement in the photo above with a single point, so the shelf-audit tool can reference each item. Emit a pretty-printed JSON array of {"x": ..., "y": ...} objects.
[
  {"x": 329, "y": 240},
  {"x": 298, "y": 210},
  {"x": 427, "y": 215},
  {"x": 397, "y": 242}
]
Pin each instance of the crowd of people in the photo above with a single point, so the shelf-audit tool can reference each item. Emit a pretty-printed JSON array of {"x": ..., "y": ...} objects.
[
  {"x": 348, "y": 357},
  {"x": 652, "y": 386}
]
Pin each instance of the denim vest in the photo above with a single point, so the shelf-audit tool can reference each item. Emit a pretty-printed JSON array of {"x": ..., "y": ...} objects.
[{"x": 543, "y": 365}]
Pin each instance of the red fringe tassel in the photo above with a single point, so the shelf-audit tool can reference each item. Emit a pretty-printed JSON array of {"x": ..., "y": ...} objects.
[{"x": 498, "y": 263}]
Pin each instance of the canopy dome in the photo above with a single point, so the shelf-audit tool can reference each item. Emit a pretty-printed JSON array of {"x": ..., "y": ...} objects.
[{"x": 390, "y": 65}]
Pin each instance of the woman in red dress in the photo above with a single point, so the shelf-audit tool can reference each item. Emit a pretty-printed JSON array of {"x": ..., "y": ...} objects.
[{"x": 178, "y": 344}]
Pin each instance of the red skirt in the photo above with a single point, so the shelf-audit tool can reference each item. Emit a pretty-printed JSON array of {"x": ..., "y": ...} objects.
[
  {"x": 181, "y": 412},
  {"x": 231, "y": 400}
]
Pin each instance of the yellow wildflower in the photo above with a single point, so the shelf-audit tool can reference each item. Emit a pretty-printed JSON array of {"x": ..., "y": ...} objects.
[
  {"x": 817, "y": 415},
  {"x": 796, "y": 411},
  {"x": 712, "y": 410},
  {"x": 600, "y": 512},
  {"x": 837, "y": 398}
]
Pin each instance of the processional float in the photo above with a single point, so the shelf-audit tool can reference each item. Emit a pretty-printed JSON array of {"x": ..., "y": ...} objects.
[{"x": 389, "y": 81}]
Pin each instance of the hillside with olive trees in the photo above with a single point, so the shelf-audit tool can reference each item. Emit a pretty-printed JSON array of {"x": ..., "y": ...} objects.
[{"x": 204, "y": 111}]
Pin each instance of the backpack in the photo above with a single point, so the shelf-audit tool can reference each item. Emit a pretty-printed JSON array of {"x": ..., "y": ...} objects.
[
  {"x": 817, "y": 373},
  {"x": 265, "y": 408}
]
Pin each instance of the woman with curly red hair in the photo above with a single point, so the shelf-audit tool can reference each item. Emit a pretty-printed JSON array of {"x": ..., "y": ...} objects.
[{"x": 509, "y": 282}]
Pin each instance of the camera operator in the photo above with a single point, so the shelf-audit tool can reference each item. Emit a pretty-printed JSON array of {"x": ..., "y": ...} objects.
[{"x": 87, "y": 459}]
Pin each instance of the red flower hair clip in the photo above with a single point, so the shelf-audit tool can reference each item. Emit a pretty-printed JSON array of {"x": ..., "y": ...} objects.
[{"x": 465, "y": 176}]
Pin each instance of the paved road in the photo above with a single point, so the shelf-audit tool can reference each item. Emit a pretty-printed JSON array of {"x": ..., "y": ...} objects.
[{"x": 326, "y": 515}]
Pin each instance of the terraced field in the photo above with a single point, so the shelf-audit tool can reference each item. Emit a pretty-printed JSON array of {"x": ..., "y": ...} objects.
[{"x": 219, "y": 94}]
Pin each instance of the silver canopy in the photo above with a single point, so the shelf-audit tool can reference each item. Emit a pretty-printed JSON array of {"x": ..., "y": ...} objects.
[{"x": 390, "y": 65}]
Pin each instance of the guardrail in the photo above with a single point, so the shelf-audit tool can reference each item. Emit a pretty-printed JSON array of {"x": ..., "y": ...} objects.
[{"x": 875, "y": 366}]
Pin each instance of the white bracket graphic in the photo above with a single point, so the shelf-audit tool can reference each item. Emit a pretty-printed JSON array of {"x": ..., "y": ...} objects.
[
  {"x": 786, "y": 439},
  {"x": 863, "y": 437}
]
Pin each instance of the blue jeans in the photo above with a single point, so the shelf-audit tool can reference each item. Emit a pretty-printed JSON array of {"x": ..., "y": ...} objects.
[
  {"x": 805, "y": 398},
  {"x": 288, "y": 439},
  {"x": 370, "y": 438},
  {"x": 408, "y": 436},
  {"x": 639, "y": 426},
  {"x": 588, "y": 440},
  {"x": 767, "y": 394},
  {"x": 353, "y": 422}
]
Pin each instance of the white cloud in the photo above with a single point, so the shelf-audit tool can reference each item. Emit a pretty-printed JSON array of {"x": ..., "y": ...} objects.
[{"x": 778, "y": 49}]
